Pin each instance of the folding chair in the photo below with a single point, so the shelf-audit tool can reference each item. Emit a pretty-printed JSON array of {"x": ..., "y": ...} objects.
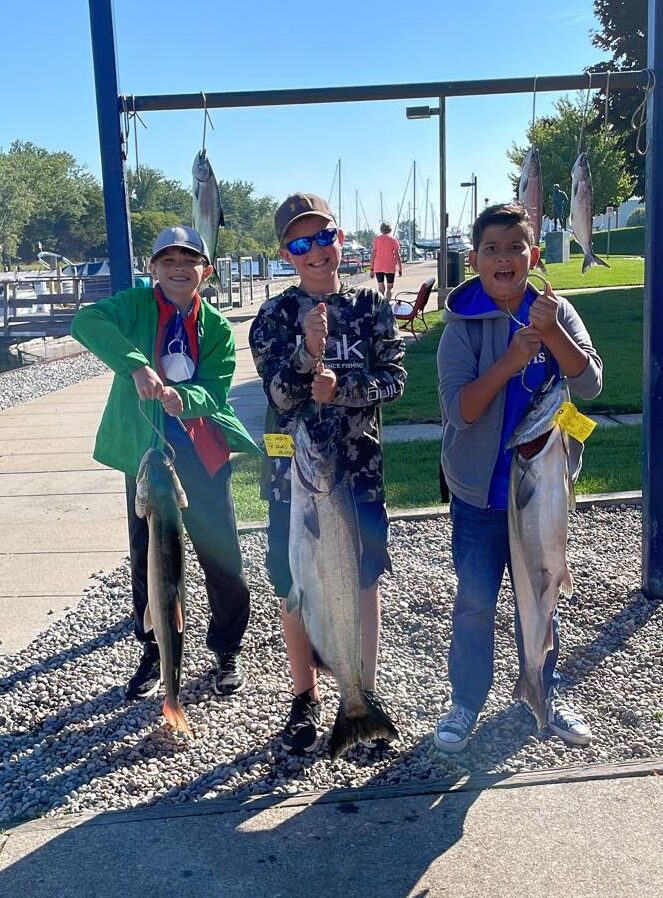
[{"x": 407, "y": 311}]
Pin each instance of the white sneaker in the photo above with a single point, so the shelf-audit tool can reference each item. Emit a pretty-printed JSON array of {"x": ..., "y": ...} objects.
[
  {"x": 566, "y": 723},
  {"x": 453, "y": 730}
]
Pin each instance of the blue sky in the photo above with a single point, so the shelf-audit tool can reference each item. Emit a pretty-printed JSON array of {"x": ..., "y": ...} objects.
[{"x": 168, "y": 47}]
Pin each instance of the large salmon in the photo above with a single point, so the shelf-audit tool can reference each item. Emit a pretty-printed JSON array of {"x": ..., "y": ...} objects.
[
  {"x": 530, "y": 190},
  {"x": 207, "y": 213},
  {"x": 582, "y": 201},
  {"x": 540, "y": 492},
  {"x": 159, "y": 497},
  {"x": 324, "y": 561}
]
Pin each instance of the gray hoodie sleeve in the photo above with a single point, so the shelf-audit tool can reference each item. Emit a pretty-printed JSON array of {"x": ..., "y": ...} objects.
[
  {"x": 457, "y": 365},
  {"x": 589, "y": 383}
]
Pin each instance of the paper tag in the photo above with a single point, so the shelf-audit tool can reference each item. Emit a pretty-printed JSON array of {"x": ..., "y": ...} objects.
[
  {"x": 279, "y": 445},
  {"x": 574, "y": 422}
]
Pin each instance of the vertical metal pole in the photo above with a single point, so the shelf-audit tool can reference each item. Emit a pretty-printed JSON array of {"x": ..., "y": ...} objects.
[
  {"x": 339, "y": 193},
  {"x": 102, "y": 28},
  {"x": 442, "y": 149},
  {"x": 652, "y": 402},
  {"x": 414, "y": 208}
]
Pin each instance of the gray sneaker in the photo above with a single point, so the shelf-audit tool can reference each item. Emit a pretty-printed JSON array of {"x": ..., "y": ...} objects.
[
  {"x": 566, "y": 723},
  {"x": 453, "y": 730}
]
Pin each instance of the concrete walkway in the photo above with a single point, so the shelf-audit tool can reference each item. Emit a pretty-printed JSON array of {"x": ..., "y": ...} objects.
[{"x": 586, "y": 832}]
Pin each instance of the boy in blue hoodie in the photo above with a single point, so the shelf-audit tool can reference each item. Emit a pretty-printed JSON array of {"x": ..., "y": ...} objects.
[{"x": 488, "y": 366}]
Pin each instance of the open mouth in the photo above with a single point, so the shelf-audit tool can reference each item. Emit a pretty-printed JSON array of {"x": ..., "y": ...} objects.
[{"x": 503, "y": 274}]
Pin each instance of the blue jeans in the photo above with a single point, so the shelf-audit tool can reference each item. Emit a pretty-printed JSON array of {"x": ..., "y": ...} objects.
[{"x": 480, "y": 549}]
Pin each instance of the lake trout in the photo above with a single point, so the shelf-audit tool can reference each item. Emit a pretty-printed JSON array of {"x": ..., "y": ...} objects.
[
  {"x": 324, "y": 560},
  {"x": 540, "y": 493},
  {"x": 160, "y": 498},
  {"x": 207, "y": 212},
  {"x": 582, "y": 200}
]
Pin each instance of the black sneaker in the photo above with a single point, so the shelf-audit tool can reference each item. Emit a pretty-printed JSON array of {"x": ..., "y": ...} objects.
[
  {"x": 229, "y": 677},
  {"x": 147, "y": 679},
  {"x": 301, "y": 731}
]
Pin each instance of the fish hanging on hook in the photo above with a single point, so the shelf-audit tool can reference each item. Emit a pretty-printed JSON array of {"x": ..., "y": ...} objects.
[
  {"x": 530, "y": 193},
  {"x": 582, "y": 199},
  {"x": 207, "y": 213}
]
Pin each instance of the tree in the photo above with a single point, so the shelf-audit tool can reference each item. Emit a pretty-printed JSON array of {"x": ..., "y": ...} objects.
[
  {"x": 636, "y": 218},
  {"x": 151, "y": 191},
  {"x": 146, "y": 225},
  {"x": 623, "y": 34},
  {"x": 556, "y": 139},
  {"x": 16, "y": 205}
]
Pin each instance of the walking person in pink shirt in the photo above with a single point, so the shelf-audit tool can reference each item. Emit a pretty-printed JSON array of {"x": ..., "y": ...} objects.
[{"x": 385, "y": 259}]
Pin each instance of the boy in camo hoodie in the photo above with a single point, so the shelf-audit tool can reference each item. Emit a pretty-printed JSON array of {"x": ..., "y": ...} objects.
[{"x": 362, "y": 367}]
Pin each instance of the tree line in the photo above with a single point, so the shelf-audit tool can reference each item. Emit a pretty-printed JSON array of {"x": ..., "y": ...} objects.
[{"x": 49, "y": 201}]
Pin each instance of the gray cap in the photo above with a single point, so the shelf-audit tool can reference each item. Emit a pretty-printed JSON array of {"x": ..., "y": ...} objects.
[{"x": 181, "y": 236}]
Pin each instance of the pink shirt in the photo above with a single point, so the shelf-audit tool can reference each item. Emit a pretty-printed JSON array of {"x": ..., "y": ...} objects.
[{"x": 385, "y": 254}]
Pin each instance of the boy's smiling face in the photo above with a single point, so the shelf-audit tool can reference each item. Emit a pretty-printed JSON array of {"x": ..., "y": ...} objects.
[
  {"x": 179, "y": 273},
  {"x": 502, "y": 262},
  {"x": 318, "y": 268}
]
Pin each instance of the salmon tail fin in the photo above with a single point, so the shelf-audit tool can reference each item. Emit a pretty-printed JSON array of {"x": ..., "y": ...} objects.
[
  {"x": 541, "y": 265},
  {"x": 590, "y": 260},
  {"x": 374, "y": 723},
  {"x": 174, "y": 714},
  {"x": 566, "y": 586},
  {"x": 530, "y": 691}
]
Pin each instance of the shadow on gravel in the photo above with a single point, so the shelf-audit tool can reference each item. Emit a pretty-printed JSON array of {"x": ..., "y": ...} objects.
[{"x": 71, "y": 653}]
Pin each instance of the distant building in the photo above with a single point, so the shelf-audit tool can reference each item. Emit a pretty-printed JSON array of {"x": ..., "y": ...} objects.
[{"x": 618, "y": 217}]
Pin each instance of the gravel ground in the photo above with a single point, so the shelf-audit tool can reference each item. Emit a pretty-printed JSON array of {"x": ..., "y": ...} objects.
[
  {"x": 39, "y": 379},
  {"x": 70, "y": 744}
]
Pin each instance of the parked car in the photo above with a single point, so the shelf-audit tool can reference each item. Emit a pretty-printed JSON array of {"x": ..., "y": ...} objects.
[{"x": 458, "y": 242}]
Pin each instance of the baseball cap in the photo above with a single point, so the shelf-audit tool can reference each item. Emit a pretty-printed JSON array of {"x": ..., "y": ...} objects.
[
  {"x": 181, "y": 236},
  {"x": 297, "y": 206}
]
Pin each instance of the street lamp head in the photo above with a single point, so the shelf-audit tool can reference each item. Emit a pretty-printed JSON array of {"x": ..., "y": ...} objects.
[{"x": 421, "y": 111}]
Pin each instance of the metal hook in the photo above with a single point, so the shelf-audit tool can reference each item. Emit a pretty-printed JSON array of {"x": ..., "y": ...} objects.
[
  {"x": 639, "y": 117},
  {"x": 207, "y": 117},
  {"x": 534, "y": 106}
]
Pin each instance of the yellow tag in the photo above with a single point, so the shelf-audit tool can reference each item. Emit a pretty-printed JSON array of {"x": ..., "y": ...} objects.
[
  {"x": 279, "y": 444},
  {"x": 574, "y": 422}
]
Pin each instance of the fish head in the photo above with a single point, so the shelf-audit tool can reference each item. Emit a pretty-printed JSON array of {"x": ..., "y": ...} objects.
[
  {"x": 317, "y": 449},
  {"x": 157, "y": 483},
  {"x": 202, "y": 170},
  {"x": 538, "y": 418}
]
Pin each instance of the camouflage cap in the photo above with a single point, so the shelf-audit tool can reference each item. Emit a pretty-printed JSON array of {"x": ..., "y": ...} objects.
[{"x": 297, "y": 206}]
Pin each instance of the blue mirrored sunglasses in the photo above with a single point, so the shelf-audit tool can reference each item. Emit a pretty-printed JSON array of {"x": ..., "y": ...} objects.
[{"x": 302, "y": 245}]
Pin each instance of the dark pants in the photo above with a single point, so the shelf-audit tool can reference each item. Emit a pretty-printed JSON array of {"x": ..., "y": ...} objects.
[
  {"x": 210, "y": 522},
  {"x": 480, "y": 550}
]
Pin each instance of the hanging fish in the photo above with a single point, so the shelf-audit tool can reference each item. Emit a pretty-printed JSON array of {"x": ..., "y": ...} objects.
[
  {"x": 530, "y": 190},
  {"x": 582, "y": 198},
  {"x": 207, "y": 212}
]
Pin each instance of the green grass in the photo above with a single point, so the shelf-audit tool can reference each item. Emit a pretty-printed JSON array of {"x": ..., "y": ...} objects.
[
  {"x": 624, "y": 271},
  {"x": 612, "y": 317},
  {"x": 612, "y": 463}
]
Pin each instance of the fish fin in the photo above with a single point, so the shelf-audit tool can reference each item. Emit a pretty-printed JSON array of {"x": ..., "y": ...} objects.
[
  {"x": 375, "y": 723},
  {"x": 294, "y": 601},
  {"x": 174, "y": 714},
  {"x": 311, "y": 521},
  {"x": 530, "y": 690},
  {"x": 541, "y": 265},
  {"x": 590, "y": 260},
  {"x": 320, "y": 663},
  {"x": 147, "y": 620},
  {"x": 524, "y": 492},
  {"x": 179, "y": 615},
  {"x": 566, "y": 586}
]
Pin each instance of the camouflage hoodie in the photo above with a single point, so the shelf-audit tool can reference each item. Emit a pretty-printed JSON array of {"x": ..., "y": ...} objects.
[{"x": 365, "y": 350}]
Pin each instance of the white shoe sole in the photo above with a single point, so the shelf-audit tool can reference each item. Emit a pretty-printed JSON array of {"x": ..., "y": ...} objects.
[
  {"x": 570, "y": 738},
  {"x": 450, "y": 747}
]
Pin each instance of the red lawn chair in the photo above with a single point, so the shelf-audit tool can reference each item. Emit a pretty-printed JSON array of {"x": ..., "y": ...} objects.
[{"x": 406, "y": 311}]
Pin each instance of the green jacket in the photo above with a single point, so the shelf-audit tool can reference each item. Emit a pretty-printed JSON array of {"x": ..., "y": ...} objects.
[{"x": 121, "y": 331}]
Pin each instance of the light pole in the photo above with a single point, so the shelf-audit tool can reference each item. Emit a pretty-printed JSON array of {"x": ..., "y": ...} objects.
[
  {"x": 473, "y": 184},
  {"x": 418, "y": 112}
]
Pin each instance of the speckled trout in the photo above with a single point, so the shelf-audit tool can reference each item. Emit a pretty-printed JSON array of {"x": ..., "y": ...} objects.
[
  {"x": 540, "y": 494},
  {"x": 324, "y": 561},
  {"x": 160, "y": 498}
]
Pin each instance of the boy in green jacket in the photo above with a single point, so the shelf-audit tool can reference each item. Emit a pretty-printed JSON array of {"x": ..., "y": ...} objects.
[{"x": 173, "y": 356}]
